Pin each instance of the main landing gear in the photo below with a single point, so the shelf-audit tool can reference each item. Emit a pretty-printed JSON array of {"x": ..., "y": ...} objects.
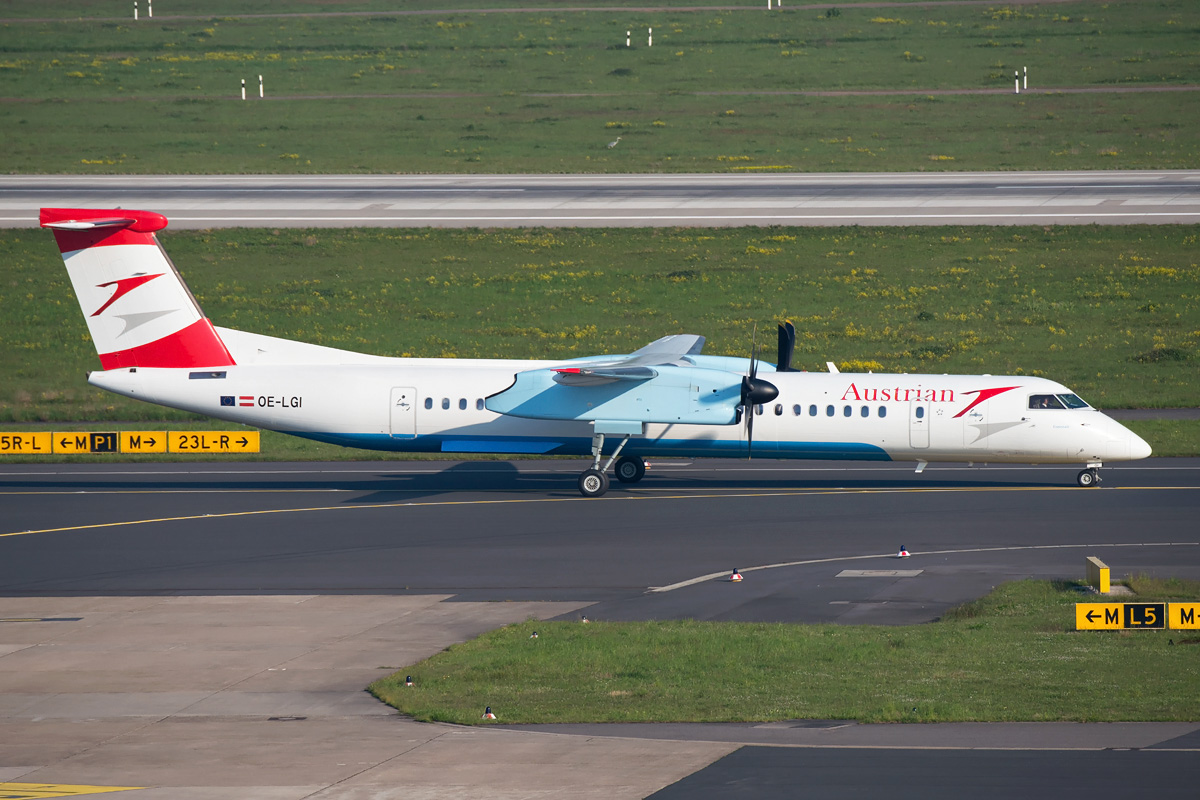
[
  {"x": 1089, "y": 476},
  {"x": 593, "y": 482}
]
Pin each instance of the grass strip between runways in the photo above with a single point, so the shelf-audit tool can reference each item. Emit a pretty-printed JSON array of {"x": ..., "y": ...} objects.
[{"x": 1011, "y": 656}]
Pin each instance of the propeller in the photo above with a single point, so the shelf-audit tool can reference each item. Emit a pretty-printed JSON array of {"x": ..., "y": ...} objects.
[
  {"x": 755, "y": 391},
  {"x": 787, "y": 343}
]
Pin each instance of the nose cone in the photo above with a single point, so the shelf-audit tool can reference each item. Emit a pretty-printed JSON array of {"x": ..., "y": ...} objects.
[{"x": 1138, "y": 447}]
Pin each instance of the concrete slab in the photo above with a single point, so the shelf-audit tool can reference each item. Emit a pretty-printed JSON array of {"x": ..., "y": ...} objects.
[{"x": 200, "y": 698}]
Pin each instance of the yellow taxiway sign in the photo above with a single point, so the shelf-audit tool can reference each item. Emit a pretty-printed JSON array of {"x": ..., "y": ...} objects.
[
  {"x": 44, "y": 443},
  {"x": 1183, "y": 616},
  {"x": 32, "y": 443},
  {"x": 143, "y": 441},
  {"x": 1124, "y": 616},
  {"x": 213, "y": 441}
]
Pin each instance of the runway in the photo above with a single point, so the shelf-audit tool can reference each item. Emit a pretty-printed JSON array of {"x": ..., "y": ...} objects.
[
  {"x": 944, "y": 198},
  {"x": 158, "y": 618}
]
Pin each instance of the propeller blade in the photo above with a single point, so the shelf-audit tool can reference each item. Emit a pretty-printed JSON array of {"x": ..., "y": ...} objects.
[
  {"x": 753, "y": 351},
  {"x": 749, "y": 432},
  {"x": 755, "y": 392}
]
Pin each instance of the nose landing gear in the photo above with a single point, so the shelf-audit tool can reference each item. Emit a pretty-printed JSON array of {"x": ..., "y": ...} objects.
[
  {"x": 1089, "y": 476},
  {"x": 593, "y": 483}
]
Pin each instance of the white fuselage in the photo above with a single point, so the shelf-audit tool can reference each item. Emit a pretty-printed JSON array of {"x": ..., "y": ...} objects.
[{"x": 438, "y": 405}]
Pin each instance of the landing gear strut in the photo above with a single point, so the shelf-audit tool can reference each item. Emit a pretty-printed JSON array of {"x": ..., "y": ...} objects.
[
  {"x": 1089, "y": 476},
  {"x": 594, "y": 481}
]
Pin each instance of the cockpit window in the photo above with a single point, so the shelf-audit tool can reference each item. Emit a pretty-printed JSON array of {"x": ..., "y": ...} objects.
[
  {"x": 1056, "y": 401},
  {"x": 1045, "y": 401}
]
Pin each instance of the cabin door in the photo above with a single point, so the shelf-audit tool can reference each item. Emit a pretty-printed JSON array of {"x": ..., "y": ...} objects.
[
  {"x": 918, "y": 424},
  {"x": 404, "y": 412}
]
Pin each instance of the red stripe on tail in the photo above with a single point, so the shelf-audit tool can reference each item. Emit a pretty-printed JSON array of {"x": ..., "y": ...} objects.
[{"x": 197, "y": 345}]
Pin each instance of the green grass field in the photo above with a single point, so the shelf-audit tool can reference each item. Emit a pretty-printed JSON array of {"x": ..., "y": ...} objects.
[
  {"x": 1011, "y": 656},
  {"x": 1112, "y": 312},
  {"x": 545, "y": 92}
]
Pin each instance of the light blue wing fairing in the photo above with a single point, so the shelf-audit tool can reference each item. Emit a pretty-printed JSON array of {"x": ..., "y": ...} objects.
[{"x": 658, "y": 383}]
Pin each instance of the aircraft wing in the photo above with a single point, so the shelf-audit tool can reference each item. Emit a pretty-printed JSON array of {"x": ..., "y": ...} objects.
[
  {"x": 637, "y": 366},
  {"x": 658, "y": 383}
]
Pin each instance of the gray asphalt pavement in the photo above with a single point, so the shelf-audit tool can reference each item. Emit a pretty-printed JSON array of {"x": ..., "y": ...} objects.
[
  {"x": 946, "y": 198},
  {"x": 205, "y": 630}
]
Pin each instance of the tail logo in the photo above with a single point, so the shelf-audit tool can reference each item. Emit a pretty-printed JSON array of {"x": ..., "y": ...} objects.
[{"x": 124, "y": 287}]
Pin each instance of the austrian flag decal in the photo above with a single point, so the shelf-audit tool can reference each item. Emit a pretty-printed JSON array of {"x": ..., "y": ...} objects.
[{"x": 245, "y": 400}]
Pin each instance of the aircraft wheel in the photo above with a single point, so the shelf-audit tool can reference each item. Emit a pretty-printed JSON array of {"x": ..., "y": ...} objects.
[
  {"x": 593, "y": 483},
  {"x": 630, "y": 469},
  {"x": 1088, "y": 478}
]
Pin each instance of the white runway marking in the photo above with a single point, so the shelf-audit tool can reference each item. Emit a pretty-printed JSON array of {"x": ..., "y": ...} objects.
[{"x": 712, "y": 576}]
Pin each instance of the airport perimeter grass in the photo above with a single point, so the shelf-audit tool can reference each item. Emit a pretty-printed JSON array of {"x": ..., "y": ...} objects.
[
  {"x": 1011, "y": 656},
  {"x": 546, "y": 92},
  {"x": 1113, "y": 312}
]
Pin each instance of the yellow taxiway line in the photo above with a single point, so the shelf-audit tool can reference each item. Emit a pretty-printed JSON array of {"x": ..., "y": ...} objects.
[{"x": 642, "y": 496}]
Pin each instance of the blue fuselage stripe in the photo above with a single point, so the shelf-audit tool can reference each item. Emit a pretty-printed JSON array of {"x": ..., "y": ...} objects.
[{"x": 579, "y": 446}]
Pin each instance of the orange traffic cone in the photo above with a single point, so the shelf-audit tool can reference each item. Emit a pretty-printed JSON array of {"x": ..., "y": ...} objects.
[
  {"x": 735, "y": 576},
  {"x": 487, "y": 713},
  {"x": 903, "y": 552}
]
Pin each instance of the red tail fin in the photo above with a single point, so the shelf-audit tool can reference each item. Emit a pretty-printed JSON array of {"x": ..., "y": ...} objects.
[{"x": 138, "y": 309}]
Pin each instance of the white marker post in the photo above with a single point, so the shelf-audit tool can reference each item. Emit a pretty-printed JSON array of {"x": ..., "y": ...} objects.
[
  {"x": 1025, "y": 78},
  {"x": 649, "y": 37},
  {"x": 150, "y": 9},
  {"x": 1016, "y": 82},
  {"x": 627, "y": 33},
  {"x": 260, "y": 89},
  {"x": 135, "y": 9},
  {"x": 243, "y": 88}
]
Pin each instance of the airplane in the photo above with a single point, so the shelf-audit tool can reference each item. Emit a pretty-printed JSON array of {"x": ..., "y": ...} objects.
[{"x": 667, "y": 399}]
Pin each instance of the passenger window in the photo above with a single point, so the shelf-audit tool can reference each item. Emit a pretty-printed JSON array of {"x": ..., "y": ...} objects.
[
  {"x": 829, "y": 411},
  {"x": 847, "y": 411},
  {"x": 479, "y": 404},
  {"x": 779, "y": 409},
  {"x": 812, "y": 411},
  {"x": 882, "y": 412},
  {"x": 758, "y": 409},
  {"x": 445, "y": 403},
  {"x": 462, "y": 404},
  {"x": 866, "y": 412},
  {"x": 429, "y": 402},
  {"x": 1044, "y": 401},
  {"x": 797, "y": 410},
  {"x": 920, "y": 412}
]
